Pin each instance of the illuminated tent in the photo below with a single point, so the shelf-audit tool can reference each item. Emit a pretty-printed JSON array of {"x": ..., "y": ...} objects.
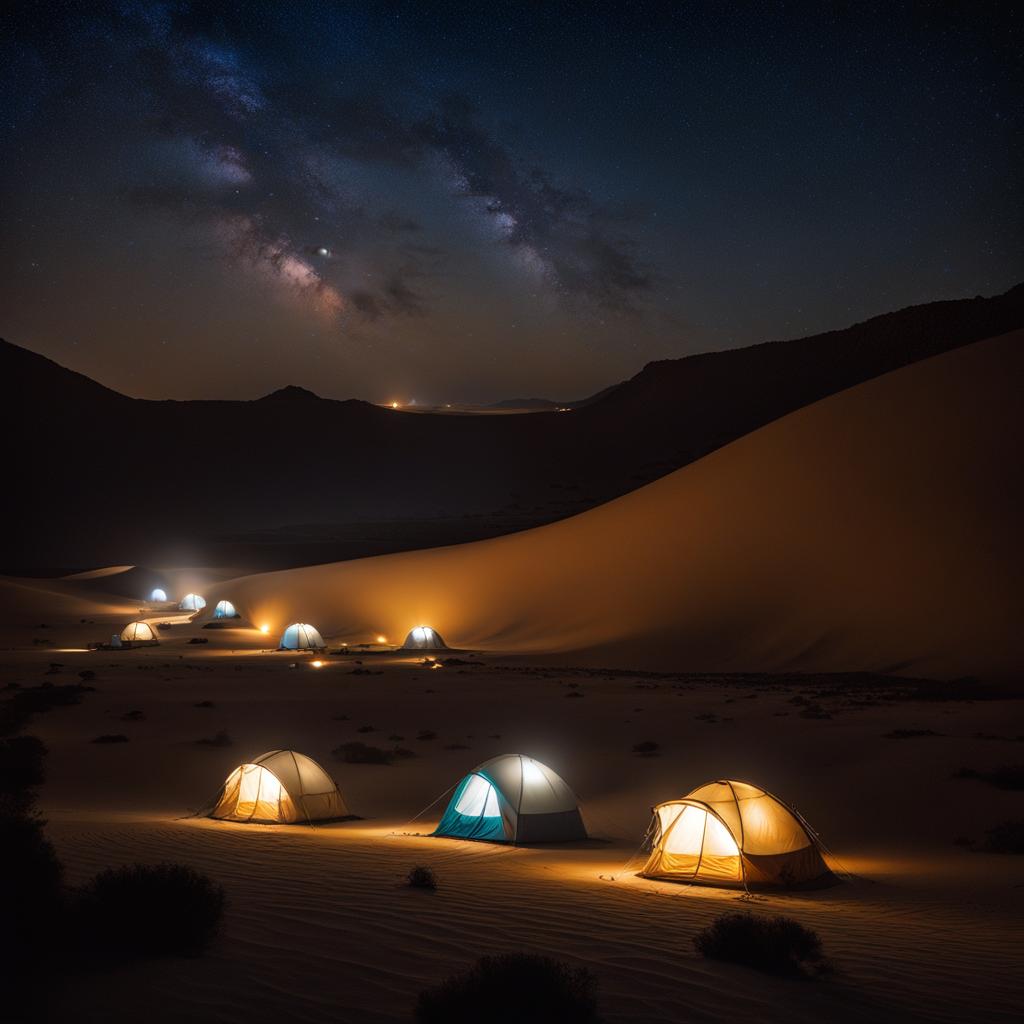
[
  {"x": 513, "y": 799},
  {"x": 279, "y": 786},
  {"x": 727, "y": 832},
  {"x": 139, "y": 634},
  {"x": 158, "y": 595},
  {"x": 300, "y": 636},
  {"x": 424, "y": 638},
  {"x": 225, "y": 610},
  {"x": 192, "y": 603}
]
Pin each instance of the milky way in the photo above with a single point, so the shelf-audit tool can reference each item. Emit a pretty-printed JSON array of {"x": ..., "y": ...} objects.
[{"x": 392, "y": 201}]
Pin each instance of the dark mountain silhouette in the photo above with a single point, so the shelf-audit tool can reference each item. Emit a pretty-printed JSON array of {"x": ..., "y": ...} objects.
[
  {"x": 100, "y": 478},
  {"x": 291, "y": 393}
]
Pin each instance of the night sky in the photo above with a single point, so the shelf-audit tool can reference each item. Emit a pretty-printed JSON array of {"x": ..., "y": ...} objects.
[{"x": 467, "y": 203}]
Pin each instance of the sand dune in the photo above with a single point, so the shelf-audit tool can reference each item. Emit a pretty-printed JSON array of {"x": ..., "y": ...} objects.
[
  {"x": 293, "y": 480},
  {"x": 876, "y": 529}
]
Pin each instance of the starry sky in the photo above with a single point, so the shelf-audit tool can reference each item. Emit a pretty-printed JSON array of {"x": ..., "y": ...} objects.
[{"x": 469, "y": 202}]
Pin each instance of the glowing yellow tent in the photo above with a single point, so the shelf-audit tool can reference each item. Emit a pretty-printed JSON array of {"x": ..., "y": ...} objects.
[
  {"x": 732, "y": 833},
  {"x": 139, "y": 634},
  {"x": 281, "y": 786}
]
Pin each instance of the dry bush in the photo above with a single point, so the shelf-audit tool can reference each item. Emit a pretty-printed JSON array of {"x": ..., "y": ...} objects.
[
  {"x": 512, "y": 989},
  {"x": 145, "y": 910},
  {"x": 776, "y": 945}
]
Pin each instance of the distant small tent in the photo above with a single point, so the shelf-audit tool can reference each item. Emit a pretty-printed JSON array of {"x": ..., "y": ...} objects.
[
  {"x": 424, "y": 638},
  {"x": 139, "y": 634},
  {"x": 158, "y": 595},
  {"x": 732, "y": 833},
  {"x": 513, "y": 799},
  {"x": 225, "y": 610},
  {"x": 192, "y": 603},
  {"x": 301, "y": 636},
  {"x": 281, "y": 786}
]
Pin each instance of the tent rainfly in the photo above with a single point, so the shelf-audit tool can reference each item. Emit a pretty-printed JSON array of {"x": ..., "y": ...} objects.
[
  {"x": 192, "y": 603},
  {"x": 158, "y": 595},
  {"x": 300, "y": 636},
  {"x": 513, "y": 799},
  {"x": 225, "y": 610},
  {"x": 424, "y": 638},
  {"x": 728, "y": 832},
  {"x": 281, "y": 786},
  {"x": 139, "y": 634}
]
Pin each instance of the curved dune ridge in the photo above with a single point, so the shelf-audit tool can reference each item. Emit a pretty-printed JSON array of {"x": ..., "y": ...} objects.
[{"x": 876, "y": 529}]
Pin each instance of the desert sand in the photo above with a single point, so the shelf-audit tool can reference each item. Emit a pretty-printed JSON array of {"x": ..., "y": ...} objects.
[
  {"x": 319, "y": 927},
  {"x": 872, "y": 532}
]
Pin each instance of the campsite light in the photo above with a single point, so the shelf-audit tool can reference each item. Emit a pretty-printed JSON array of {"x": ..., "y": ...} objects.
[
  {"x": 394, "y": 405},
  {"x": 264, "y": 628},
  {"x": 531, "y": 773},
  {"x": 382, "y": 639},
  {"x": 317, "y": 664}
]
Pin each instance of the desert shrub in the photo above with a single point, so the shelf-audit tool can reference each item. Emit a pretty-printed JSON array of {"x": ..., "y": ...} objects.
[
  {"x": 111, "y": 738},
  {"x": 86, "y": 675},
  {"x": 421, "y": 877},
  {"x": 1005, "y": 838},
  {"x": 30, "y": 885},
  {"x": 366, "y": 728},
  {"x": 908, "y": 734},
  {"x": 21, "y": 764},
  {"x": 647, "y": 748},
  {"x": 220, "y": 739},
  {"x": 776, "y": 945},
  {"x": 204, "y": 704},
  {"x": 403, "y": 752},
  {"x": 513, "y": 988},
  {"x": 34, "y": 700},
  {"x": 149, "y": 910},
  {"x": 361, "y": 753},
  {"x": 1005, "y": 776},
  {"x": 426, "y": 734}
]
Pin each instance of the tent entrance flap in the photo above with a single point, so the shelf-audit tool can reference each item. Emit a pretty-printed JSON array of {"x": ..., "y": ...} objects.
[{"x": 474, "y": 811}]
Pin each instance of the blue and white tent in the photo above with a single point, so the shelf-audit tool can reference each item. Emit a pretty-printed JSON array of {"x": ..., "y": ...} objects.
[
  {"x": 158, "y": 595},
  {"x": 301, "y": 636},
  {"x": 225, "y": 610},
  {"x": 513, "y": 799},
  {"x": 192, "y": 603}
]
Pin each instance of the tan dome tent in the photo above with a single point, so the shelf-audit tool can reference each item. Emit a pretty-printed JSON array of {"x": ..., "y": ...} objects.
[
  {"x": 281, "y": 786},
  {"x": 424, "y": 638},
  {"x": 225, "y": 610},
  {"x": 192, "y": 603},
  {"x": 513, "y": 799},
  {"x": 301, "y": 636},
  {"x": 727, "y": 832},
  {"x": 139, "y": 634}
]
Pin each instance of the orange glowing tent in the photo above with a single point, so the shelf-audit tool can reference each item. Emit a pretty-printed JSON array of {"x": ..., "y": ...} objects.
[
  {"x": 281, "y": 786},
  {"x": 732, "y": 833}
]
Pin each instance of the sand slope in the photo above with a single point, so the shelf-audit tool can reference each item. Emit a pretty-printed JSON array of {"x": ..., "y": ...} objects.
[
  {"x": 876, "y": 529},
  {"x": 293, "y": 480}
]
